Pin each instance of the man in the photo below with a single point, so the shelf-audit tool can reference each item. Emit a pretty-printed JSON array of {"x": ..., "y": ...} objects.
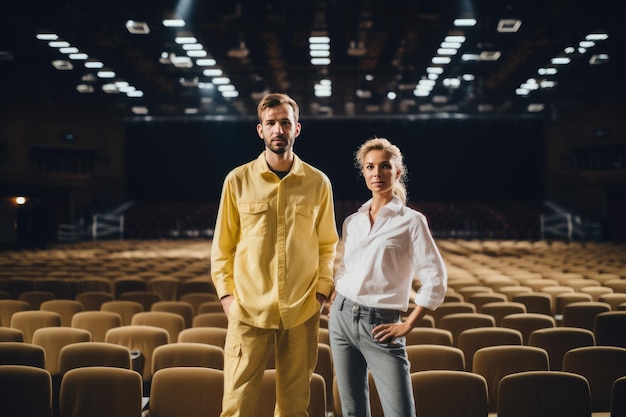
[{"x": 272, "y": 265}]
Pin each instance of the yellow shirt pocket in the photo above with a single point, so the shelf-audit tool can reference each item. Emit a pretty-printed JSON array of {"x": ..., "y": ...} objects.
[
  {"x": 253, "y": 218},
  {"x": 305, "y": 219}
]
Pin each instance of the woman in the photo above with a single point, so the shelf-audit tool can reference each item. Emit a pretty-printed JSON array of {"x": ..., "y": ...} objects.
[{"x": 386, "y": 246}]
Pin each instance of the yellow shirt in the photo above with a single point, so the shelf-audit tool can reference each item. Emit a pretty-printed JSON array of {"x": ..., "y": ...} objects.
[{"x": 274, "y": 243}]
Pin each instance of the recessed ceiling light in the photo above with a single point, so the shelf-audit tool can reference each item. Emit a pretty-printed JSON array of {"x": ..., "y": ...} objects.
[
  {"x": 84, "y": 88},
  {"x": 110, "y": 88},
  {"x": 58, "y": 44},
  {"x": 509, "y": 25},
  {"x": 62, "y": 65},
  {"x": 206, "y": 62},
  {"x": 47, "y": 36},
  {"x": 106, "y": 74},
  {"x": 441, "y": 60},
  {"x": 490, "y": 55},
  {"x": 560, "y": 60},
  {"x": 597, "y": 37},
  {"x": 174, "y": 23},
  {"x": 464, "y": 22},
  {"x": 181, "y": 40},
  {"x": 94, "y": 64},
  {"x": 140, "y": 110},
  {"x": 599, "y": 59},
  {"x": 213, "y": 72},
  {"x": 320, "y": 61},
  {"x": 137, "y": 28},
  {"x": 78, "y": 57}
]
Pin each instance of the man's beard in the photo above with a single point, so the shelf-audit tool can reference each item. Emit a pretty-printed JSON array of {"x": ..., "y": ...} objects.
[{"x": 278, "y": 150}]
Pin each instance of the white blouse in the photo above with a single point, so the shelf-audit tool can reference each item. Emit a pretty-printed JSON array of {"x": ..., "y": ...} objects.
[{"x": 381, "y": 261}]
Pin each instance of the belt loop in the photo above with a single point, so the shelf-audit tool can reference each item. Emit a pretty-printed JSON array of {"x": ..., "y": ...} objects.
[{"x": 372, "y": 315}]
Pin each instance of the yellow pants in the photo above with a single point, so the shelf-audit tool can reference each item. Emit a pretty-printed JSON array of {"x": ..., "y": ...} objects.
[{"x": 245, "y": 359}]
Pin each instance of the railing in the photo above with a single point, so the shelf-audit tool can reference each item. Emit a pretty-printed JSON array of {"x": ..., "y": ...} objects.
[
  {"x": 570, "y": 227},
  {"x": 71, "y": 232},
  {"x": 559, "y": 225},
  {"x": 107, "y": 225}
]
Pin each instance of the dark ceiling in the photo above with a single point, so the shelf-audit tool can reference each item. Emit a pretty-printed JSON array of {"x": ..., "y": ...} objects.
[{"x": 398, "y": 38}]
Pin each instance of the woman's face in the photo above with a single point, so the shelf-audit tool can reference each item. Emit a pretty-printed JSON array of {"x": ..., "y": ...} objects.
[{"x": 379, "y": 172}]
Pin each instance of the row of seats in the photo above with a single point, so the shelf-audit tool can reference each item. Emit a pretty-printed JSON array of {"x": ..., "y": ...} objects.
[
  {"x": 117, "y": 391},
  {"x": 110, "y": 391},
  {"x": 188, "y": 306},
  {"x": 600, "y": 367},
  {"x": 173, "y": 316},
  {"x": 168, "y": 288}
]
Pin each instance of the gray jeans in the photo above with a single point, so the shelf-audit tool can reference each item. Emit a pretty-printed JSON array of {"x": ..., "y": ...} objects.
[{"x": 355, "y": 351}]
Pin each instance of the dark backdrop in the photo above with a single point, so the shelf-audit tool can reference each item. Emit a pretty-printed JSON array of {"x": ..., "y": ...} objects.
[{"x": 447, "y": 159}]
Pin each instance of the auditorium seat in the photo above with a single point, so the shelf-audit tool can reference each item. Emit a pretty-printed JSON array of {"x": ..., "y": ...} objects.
[
  {"x": 544, "y": 394},
  {"x": 125, "y": 309},
  {"x": 173, "y": 323},
  {"x": 8, "y": 334},
  {"x": 443, "y": 393},
  {"x": 98, "y": 391},
  {"x": 35, "y": 298},
  {"x": 96, "y": 322},
  {"x": 187, "y": 354},
  {"x": 535, "y": 302},
  {"x": 93, "y": 300},
  {"x": 427, "y": 335},
  {"x": 10, "y": 307},
  {"x": 166, "y": 287},
  {"x": 145, "y": 298},
  {"x": 583, "y": 314},
  {"x": 210, "y": 335},
  {"x": 452, "y": 308},
  {"x": 81, "y": 355},
  {"x": 182, "y": 308},
  {"x": 26, "y": 391},
  {"x": 20, "y": 353},
  {"x": 197, "y": 298},
  {"x": 501, "y": 309},
  {"x": 601, "y": 365},
  {"x": 29, "y": 321},
  {"x": 559, "y": 340},
  {"x": 471, "y": 340},
  {"x": 66, "y": 309},
  {"x": 128, "y": 284},
  {"x": 609, "y": 328},
  {"x": 210, "y": 307},
  {"x": 526, "y": 323},
  {"x": 211, "y": 320},
  {"x": 495, "y": 362},
  {"x": 53, "y": 339},
  {"x": 458, "y": 322},
  {"x": 172, "y": 388},
  {"x": 141, "y": 340},
  {"x": 435, "y": 357}
]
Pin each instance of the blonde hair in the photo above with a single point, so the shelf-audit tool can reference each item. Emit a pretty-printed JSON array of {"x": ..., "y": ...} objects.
[
  {"x": 276, "y": 99},
  {"x": 396, "y": 158}
]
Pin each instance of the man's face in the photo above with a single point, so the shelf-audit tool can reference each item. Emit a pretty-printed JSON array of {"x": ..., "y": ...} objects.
[{"x": 278, "y": 128}]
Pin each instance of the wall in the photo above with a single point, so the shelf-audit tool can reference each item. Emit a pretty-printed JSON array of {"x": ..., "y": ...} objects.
[
  {"x": 585, "y": 168},
  {"x": 65, "y": 156}
]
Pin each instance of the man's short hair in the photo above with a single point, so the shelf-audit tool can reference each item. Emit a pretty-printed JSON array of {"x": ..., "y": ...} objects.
[{"x": 276, "y": 99}]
